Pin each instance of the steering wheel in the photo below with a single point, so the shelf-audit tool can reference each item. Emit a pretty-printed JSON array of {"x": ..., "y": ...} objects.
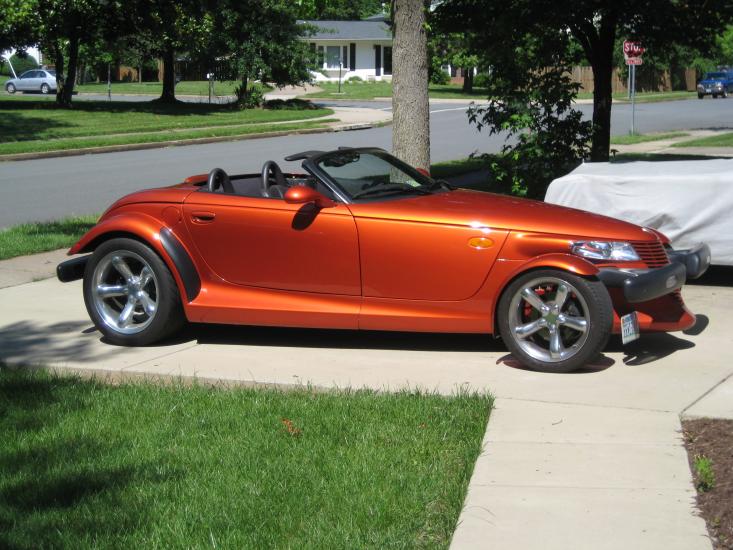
[
  {"x": 273, "y": 189},
  {"x": 219, "y": 178}
]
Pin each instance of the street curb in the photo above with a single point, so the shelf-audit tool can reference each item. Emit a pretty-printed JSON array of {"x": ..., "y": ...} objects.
[{"x": 182, "y": 142}]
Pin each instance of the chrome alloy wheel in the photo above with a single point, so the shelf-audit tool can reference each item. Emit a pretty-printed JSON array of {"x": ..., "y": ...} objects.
[
  {"x": 125, "y": 292},
  {"x": 549, "y": 319}
]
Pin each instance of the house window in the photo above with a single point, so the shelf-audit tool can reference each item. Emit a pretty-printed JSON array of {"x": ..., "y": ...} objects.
[
  {"x": 333, "y": 56},
  {"x": 388, "y": 60}
]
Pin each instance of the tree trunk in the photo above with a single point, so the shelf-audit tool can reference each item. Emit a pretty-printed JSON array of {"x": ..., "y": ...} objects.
[
  {"x": 410, "y": 108},
  {"x": 602, "y": 98},
  {"x": 241, "y": 90},
  {"x": 602, "y": 62},
  {"x": 467, "y": 80},
  {"x": 169, "y": 77},
  {"x": 58, "y": 54},
  {"x": 68, "y": 88}
]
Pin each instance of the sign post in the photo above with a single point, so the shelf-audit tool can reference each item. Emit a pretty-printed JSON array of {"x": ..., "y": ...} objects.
[{"x": 632, "y": 54}]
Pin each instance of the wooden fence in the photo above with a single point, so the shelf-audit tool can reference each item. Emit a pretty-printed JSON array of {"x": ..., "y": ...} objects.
[{"x": 647, "y": 80}]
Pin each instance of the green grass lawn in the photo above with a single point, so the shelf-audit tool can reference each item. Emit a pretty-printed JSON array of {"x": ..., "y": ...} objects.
[
  {"x": 721, "y": 140},
  {"x": 32, "y": 238},
  {"x": 642, "y": 138},
  {"x": 383, "y": 88},
  {"x": 441, "y": 170},
  {"x": 30, "y": 124},
  {"x": 89, "y": 465},
  {"x": 646, "y": 97}
]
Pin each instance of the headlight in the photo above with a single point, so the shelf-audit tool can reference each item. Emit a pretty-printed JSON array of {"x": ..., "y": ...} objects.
[{"x": 605, "y": 250}]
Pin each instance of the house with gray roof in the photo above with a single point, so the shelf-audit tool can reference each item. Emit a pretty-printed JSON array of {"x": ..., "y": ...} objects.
[{"x": 352, "y": 48}]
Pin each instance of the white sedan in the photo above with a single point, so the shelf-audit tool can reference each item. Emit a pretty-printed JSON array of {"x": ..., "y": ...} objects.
[{"x": 35, "y": 80}]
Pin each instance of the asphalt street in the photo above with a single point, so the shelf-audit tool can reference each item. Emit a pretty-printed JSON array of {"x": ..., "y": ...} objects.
[{"x": 45, "y": 189}]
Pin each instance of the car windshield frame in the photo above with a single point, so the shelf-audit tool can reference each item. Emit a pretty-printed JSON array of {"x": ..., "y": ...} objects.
[
  {"x": 715, "y": 76},
  {"x": 426, "y": 184}
]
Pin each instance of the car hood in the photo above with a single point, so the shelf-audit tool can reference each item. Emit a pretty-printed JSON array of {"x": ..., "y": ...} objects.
[
  {"x": 478, "y": 209},
  {"x": 711, "y": 81}
]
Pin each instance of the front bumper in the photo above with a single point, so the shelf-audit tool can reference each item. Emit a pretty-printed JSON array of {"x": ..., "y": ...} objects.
[
  {"x": 643, "y": 285},
  {"x": 72, "y": 270}
]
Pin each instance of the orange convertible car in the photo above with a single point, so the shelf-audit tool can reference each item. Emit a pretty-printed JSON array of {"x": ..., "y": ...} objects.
[{"x": 363, "y": 241}]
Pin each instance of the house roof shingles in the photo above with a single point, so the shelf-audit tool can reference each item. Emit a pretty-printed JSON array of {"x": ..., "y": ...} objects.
[{"x": 349, "y": 30}]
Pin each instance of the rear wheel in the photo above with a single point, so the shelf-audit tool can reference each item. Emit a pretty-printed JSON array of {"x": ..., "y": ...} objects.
[
  {"x": 555, "y": 321},
  {"x": 45, "y": 88},
  {"x": 130, "y": 294},
  {"x": 10, "y": 88}
]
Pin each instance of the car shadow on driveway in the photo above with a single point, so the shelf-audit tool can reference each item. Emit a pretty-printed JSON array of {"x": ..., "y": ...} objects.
[
  {"x": 649, "y": 348},
  {"x": 338, "y": 339}
]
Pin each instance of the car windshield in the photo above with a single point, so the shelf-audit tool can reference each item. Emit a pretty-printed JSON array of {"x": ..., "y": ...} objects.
[
  {"x": 52, "y": 73},
  {"x": 372, "y": 174},
  {"x": 712, "y": 76}
]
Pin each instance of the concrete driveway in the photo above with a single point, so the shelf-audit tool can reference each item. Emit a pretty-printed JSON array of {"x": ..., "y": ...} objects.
[{"x": 592, "y": 459}]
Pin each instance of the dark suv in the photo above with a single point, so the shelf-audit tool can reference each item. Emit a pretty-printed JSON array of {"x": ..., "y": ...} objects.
[{"x": 719, "y": 83}]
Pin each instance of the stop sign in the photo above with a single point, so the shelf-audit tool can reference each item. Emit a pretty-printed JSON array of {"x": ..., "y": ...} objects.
[{"x": 632, "y": 48}]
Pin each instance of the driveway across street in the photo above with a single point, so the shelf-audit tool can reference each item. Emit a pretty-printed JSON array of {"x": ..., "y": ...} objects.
[{"x": 594, "y": 456}]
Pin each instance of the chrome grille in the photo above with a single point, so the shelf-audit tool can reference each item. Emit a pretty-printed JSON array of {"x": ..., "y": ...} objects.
[{"x": 652, "y": 253}]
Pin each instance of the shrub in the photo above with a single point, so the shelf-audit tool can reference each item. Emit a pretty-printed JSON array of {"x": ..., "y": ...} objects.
[
  {"x": 481, "y": 80},
  {"x": 354, "y": 79},
  {"x": 21, "y": 63},
  {"x": 294, "y": 104}
]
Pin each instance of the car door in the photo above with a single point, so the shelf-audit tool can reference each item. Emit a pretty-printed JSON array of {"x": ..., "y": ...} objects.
[
  {"x": 269, "y": 243},
  {"x": 25, "y": 81}
]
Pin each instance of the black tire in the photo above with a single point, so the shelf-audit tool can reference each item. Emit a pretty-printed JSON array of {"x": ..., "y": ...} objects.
[
  {"x": 168, "y": 316},
  {"x": 10, "y": 88},
  {"x": 45, "y": 88},
  {"x": 586, "y": 298},
  {"x": 700, "y": 96},
  {"x": 724, "y": 94},
  {"x": 715, "y": 96}
]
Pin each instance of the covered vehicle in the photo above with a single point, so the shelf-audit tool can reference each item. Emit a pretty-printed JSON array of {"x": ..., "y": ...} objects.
[
  {"x": 361, "y": 240},
  {"x": 35, "y": 80},
  {"x": 688, "y": 201},
  {"x": 716, "y": 84}
]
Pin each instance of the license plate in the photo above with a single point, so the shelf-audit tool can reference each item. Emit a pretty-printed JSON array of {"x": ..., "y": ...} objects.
[
  {"x": 629, "y": 327},
  {"x": 708, "y": 90}
]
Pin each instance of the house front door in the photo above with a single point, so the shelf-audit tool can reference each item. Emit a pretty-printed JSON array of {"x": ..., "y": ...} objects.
[{"x": 378, "y": 60}]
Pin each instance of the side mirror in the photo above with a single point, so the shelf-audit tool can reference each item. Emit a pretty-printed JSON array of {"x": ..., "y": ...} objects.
[
  {"x": 302, "y": 194},
  {"x": 423, "y": 171}
]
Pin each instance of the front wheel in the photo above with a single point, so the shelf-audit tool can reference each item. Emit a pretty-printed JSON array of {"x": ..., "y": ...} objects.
[
  {"x": 45, "y": 88},
  {"x": 724, "y": 94},
  {"x": 700, "y": 96},
  {"x": 130, "y": 294},
  {"x": 555, "y": 321}
]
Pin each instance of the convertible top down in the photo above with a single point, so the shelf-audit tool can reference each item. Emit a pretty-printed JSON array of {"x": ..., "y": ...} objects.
[{"x": 361, "y": 240}]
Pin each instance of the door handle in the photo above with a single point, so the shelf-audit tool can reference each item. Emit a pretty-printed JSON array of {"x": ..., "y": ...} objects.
[{"x": 203, "y": 217}]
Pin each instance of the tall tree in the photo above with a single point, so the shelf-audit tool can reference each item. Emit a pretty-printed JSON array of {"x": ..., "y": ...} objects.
[
  {"x": 17, "y": 28},
  {"x": 64, "y": 25},
  {"x": 595, "y": 25},
  {"x": 168, "y": 27},
  {"x": 337, "y": 9},
  {"x": 260, "y": 40},
  {"x": 410, "y": 107}
]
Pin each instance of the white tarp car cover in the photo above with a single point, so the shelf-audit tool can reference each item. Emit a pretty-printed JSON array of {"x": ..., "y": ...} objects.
[{"x": 689, "y": 201}]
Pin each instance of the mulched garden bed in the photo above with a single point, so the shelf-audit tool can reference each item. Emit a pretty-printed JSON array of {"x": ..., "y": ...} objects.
[{"x": 712, "y": 439}]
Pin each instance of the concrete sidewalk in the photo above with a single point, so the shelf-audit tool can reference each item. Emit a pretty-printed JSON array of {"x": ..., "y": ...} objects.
[{"x": 591, "y": 459}]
